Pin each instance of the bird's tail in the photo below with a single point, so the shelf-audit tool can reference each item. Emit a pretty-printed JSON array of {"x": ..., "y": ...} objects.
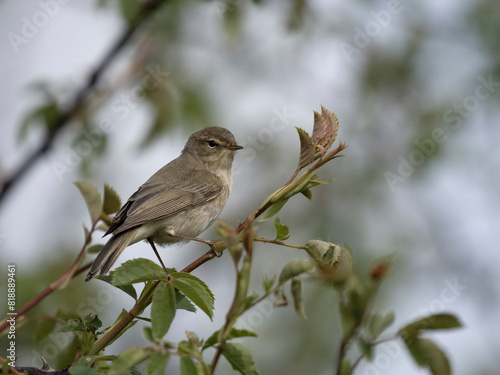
[{"x": 110, "y": 252}]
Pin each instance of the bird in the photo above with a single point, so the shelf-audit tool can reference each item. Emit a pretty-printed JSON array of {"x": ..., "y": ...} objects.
[{"x": 178, "y": 202}]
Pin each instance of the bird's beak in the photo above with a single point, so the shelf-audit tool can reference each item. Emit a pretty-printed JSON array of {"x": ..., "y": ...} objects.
[{"x": 234, "y": 147}]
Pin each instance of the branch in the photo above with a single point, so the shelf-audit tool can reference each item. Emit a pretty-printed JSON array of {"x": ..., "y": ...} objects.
[
  {"x": 65, "y": 117},
  {"x": 68, "y": 275}
]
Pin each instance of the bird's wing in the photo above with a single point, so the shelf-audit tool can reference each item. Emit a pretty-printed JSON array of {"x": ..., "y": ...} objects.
[{"x": 166, "y": 195}]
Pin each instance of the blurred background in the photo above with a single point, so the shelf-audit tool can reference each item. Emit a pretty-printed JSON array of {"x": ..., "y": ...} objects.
[{"x": 415, "y": 86}]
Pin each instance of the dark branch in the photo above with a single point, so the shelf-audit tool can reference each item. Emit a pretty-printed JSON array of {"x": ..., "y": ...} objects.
[{"x": 65, "y": 117}]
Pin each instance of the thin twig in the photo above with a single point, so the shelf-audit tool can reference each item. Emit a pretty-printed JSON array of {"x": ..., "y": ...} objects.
[
  {"x": 281, "y": 243},
  {"x": 65, "y": 117},
  {"x": 69, "y": 274}
]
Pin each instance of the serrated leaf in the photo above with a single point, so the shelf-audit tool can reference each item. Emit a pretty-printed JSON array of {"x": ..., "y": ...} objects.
[
  {"x": 325, "y": 129},
  {"x": 127, "y": 359},
  {"x": 307, "y": 149},
  {"x": 94, "y": 248},
  {"x": 157, "y": 363},
  {"x": 136, "y": 271},
  {"x": 282, "y": 231},
  {"x": 294, "y": 268},
  {"x": 240, "y": 358},
  {"x": 187, "y": 366},
  {"x": 92, "y": 199},
  {"x": 273, "y": 210},
  {"x": 182, "y": 302},
  {"x": 296, "y": 291},
  {"x": 162, "y": 310},
  {"x": 235, "y": 333},
  {"x": 436, "y": 321},
  {"x": 378, "y": 323},
  {"x": 112, "y": 201},
  {"x": 129, "y": 289},
  {"x": 194, "y": 289}
]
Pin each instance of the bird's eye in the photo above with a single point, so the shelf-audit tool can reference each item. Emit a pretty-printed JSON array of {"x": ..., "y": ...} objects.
[{"x": 212, "y": 143}]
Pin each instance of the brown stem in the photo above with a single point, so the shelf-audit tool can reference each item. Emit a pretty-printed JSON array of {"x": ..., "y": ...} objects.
[
  {"x": 69, "y": 274},
  {"x": 139, "y": 306},
  {"x": 65, "y": 117}
]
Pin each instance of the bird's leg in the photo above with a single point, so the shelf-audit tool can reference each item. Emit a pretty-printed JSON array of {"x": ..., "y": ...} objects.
[
  {"x": 157, "y": 254},
  {"x": 207, "y": 242}
]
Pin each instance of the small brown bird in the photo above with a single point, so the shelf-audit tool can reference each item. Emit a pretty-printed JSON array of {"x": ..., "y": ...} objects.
[{"x": 178, "y": 202}]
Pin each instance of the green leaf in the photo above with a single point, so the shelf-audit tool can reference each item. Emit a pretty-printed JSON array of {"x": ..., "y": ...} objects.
[
  {"x": 148, "y": 333},
  {"x": 182, "y": 302},
  {"x": 296, "y": 290},
  {"x": 307, "y": 149},
  {"x": 81, "y": 370},
  {"x": 136, "y": 271},
  {"x": 366, "y": 348},
  {"x": 83, "y": 367},
  {"x": 44, "y": 115},
  {"x": 307, "y": 193},
  {"x": 273, "y": 210},
  {"x": 157, "y": 363},
  {"x": 427, "y": 354},
  {"x": 436, "y": 321},
  {"x": 162, "y": 310},
  {"x": 194, "y": 289},
  {"x": 294, "y": 268},
  {"x": 240, "y": 358},
  {"x": 127, "y": 359},
  {"x": 282, "y": 231},
  {"x": 129, "y": 289},
  {"x": 378, "y": 323},
  {"x": 94, "y": 249},
  {"x": 92, "y": 199},
  {"x": 112, "y": 201},
  {"x": 268, "y": 283},
  {"x": 187, "y": 366},
  {"x": 235, "y": 333}
]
